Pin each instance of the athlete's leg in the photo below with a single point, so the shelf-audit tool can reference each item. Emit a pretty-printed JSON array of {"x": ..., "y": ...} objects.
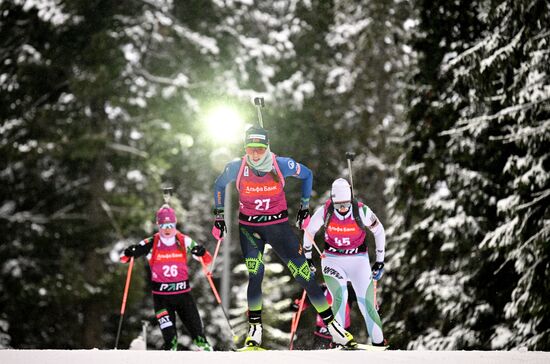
[
  {"x": 252, "y": 247},
  {"x": 360, "y": 274},
  {"x": 287, "y": 246},
  {"x": 189, "y": 315},
  {"x": 336, "y": 279},
  {"x": 166, "y": 318}
]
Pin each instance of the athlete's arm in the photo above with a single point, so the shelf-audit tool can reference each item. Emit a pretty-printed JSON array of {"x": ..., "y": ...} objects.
[
  {"x": 290, "y": 168},
  {"x": 229, "y": 175},
  {"x": 371, "y": 221},
  {"x": 143, "y": 247},
  {"x": 317, "y": 220}
]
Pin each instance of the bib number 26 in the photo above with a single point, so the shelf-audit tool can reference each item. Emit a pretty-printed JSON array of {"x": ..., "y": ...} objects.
[{"x": 170, "y": 270}]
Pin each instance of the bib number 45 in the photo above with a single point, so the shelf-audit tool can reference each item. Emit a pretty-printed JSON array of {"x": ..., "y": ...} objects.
[{"x": 342, "y": 241}]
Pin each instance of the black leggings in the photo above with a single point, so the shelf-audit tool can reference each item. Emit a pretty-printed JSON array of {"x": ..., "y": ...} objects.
[{"x": 166, "y": 307}]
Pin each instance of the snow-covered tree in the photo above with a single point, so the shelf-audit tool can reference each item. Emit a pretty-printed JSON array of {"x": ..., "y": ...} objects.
[{"x": 470, "y": 215}]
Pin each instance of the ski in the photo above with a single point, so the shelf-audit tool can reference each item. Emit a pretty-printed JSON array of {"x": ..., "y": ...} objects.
[
  {"x": 251, "y": 348},
  {"x": 365, "y": 347}
]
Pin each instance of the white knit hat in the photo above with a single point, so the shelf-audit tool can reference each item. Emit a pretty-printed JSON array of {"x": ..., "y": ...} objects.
[{"x": 341, "y": 190}]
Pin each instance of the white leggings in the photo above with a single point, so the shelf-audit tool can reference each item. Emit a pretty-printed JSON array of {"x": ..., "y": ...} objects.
[{"x": 337, "y": 271}]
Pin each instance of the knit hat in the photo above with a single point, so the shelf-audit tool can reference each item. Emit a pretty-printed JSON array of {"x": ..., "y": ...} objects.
[
  {"x": 341, "y": 190},
  {"x": 166, "y": 215},
  {"x": 256, "y": 137}
]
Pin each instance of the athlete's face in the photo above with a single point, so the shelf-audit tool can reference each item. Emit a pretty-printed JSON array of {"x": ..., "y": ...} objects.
[
  {"x": 167, "y": 230},
  {"x": 342, "y": 206},
  {"x": 255, "y": 153}
]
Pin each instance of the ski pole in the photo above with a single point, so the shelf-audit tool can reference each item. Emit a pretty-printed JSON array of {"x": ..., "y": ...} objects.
[
  {"x": 295, "y": 321},
  {"x": 123, "y": 307},
  {"x": 350, "y": 156},
  {"x": 375, "y": 300},
  {"x": 215, "y": 255},
  {"x": 259, "y": 103},
  {"x": 167, "y": 194},
  {"x": 218, "y": 299}
]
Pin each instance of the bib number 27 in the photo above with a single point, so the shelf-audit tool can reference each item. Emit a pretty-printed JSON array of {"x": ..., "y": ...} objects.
[{"x": 262, "y": 205}]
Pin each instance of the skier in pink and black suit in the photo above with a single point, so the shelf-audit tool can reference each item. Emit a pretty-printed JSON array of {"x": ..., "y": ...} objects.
[
  {"x": 167, "y": 254},
  {"x": 263, "y": 218}
]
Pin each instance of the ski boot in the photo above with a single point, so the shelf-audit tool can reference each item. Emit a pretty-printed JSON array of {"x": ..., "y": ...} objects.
[
  {"x": 254, "y": 337},
  {"x": 340, "y": 336},
  {"x": 171, "y": 345},
  {"x": 380, "y": 346},
  {"x": 202, "y": 344}
]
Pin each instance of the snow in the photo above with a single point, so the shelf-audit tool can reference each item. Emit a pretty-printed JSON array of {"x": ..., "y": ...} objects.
[
  {"x": 48, "y": 10},
  {"x": 269, "y": 357}
]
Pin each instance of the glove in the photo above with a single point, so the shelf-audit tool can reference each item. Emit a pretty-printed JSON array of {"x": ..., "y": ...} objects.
[
  {"x": 198, "y": 250},
  {"x": 307, "y": 252},
  {"x": 302, "y": 219},
  {"x": 219, "y": 227},
  {"x": 377, "y": 270},
  {"x": 130, "y": 251},
  {"x": 295, "y": 305},
  {"x": 311, "y": 266}
]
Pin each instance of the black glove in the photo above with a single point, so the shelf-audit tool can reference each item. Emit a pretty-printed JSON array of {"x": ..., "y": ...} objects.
[
  {"x": 302, "y": 219},
  {"x": 130, "y": 251},
  {"x": 198, "y": 250},
  {"x": 219, "y": 228},
  {"x": 311, "y": 265},
  {"x": 377, "y": 270}
]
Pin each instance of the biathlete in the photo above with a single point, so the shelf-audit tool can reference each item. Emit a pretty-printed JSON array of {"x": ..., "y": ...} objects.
[
  {"x": 345, "y": 222},
  {"x": 167, "y": 252}
]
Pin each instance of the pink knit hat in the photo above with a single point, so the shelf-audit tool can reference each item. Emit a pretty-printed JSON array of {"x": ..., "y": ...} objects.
[{"x": 166, "y": 215}]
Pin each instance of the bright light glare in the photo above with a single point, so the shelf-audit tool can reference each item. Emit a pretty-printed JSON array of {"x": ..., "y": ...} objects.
[{"x": 225, "y": 124}]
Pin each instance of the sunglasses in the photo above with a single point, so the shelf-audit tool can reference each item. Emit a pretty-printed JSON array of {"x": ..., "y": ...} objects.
[
  {"x": 251, "y": 150},
  {"x": 342, "y": 205},
  {"x": 170, "y": 225}
]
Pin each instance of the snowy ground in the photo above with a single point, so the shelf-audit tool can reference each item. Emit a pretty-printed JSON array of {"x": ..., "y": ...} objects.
[{"x": 270, "y": 357}]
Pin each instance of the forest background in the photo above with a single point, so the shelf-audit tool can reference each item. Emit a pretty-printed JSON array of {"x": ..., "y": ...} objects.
[{"x": 445, "y": 103}]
